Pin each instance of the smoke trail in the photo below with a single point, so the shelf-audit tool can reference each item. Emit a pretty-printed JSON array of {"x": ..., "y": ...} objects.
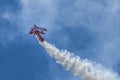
[{"x": 85, "y": 69}]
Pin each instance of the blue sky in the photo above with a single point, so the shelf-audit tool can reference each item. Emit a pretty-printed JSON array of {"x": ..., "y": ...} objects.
[{"x": 88, "y": 28}]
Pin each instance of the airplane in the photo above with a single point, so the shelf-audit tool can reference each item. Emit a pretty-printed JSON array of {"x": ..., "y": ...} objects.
[{"x": 38, "y": 31}]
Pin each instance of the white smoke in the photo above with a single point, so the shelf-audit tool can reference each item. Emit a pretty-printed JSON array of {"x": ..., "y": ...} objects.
[{"x": 85, "y": 69}]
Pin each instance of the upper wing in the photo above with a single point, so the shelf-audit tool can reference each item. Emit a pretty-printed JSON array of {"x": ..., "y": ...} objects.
[{"x": 43, "y": 29}]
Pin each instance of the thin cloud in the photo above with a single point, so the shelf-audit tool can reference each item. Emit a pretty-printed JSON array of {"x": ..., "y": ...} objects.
[{"x": 100, "y": 17}]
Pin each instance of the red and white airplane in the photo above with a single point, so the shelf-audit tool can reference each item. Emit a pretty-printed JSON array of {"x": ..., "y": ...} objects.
[{"x": 38, "y": 31}]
